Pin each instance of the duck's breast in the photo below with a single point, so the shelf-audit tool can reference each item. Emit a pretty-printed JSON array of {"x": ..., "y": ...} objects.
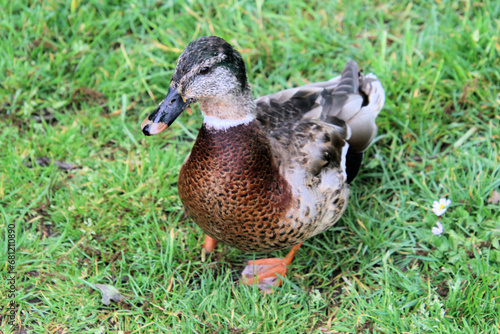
[{"x": 231, "y": 187}]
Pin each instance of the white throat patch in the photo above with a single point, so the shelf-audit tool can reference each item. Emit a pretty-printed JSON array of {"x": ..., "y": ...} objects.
[{"x": 224, "y": 124}]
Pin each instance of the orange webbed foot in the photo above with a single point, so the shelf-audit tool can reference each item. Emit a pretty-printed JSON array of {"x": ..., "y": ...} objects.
[
  {"x": 210, "y": 244},
  {"x": 266, "y": 272}
]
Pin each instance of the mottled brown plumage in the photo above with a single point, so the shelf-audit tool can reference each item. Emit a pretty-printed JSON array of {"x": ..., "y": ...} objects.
[
  {"x": 232, "y": 188},
  {"x": 267, "y": 174}
]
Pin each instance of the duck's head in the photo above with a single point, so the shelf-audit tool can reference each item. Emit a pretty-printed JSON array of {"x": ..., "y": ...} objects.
[{"x": 209, "y": 71}]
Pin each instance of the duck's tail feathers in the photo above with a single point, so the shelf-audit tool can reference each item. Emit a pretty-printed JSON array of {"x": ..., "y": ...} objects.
[{"x": 357, "y": 100}]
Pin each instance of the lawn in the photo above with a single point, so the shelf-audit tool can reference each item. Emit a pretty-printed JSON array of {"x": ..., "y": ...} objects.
[{"x": 93, "y": 201}]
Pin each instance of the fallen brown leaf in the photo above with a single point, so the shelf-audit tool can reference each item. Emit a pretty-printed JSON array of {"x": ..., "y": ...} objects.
[{"x": 44, "y": 162}]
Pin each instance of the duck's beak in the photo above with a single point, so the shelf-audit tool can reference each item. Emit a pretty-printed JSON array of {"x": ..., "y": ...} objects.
[{"x": 165, "y": 114}]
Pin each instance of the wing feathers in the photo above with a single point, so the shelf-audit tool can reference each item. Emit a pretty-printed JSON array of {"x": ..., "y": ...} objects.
[{"x": 344, "y": 107}]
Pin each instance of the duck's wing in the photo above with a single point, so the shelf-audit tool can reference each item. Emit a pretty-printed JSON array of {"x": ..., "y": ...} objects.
[{"x": 314, "y": 121}]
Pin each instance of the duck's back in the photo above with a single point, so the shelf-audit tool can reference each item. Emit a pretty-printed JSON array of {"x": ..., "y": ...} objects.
[{"x": 311, "y": 123}]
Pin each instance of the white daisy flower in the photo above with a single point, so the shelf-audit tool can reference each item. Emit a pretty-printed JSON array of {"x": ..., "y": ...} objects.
[
  {"x": 437, "y": 230},
  {"x": 439, "y": 208}
]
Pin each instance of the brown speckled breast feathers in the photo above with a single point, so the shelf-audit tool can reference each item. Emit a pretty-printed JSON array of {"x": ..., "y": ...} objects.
[{"x": 233, "y": 190}]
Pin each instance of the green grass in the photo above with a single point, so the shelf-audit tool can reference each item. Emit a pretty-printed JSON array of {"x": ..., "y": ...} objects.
[{"x": 77, "y": 78}]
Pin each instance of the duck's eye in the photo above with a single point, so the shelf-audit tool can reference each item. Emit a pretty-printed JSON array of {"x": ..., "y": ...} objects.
[{"x": 204, "y": 70}]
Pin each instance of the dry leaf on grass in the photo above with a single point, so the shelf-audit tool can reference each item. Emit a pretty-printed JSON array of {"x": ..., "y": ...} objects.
[
  {"x": 109, "y": 292},
  {"x": 43, "y": 162}
]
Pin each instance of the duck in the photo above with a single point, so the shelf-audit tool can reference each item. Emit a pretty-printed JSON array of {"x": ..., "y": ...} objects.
[{"x": 266, "y": 174}]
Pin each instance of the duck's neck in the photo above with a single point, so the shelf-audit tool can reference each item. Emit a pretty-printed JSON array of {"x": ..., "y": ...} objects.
[
  {"x": 211, "y": 122},
  {"x": 229, "y": 110}
]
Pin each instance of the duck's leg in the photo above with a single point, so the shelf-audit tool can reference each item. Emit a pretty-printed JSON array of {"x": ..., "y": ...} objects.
[
  {"x": 210, "y": 244},
  {"x": 265, "y": 271}
]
